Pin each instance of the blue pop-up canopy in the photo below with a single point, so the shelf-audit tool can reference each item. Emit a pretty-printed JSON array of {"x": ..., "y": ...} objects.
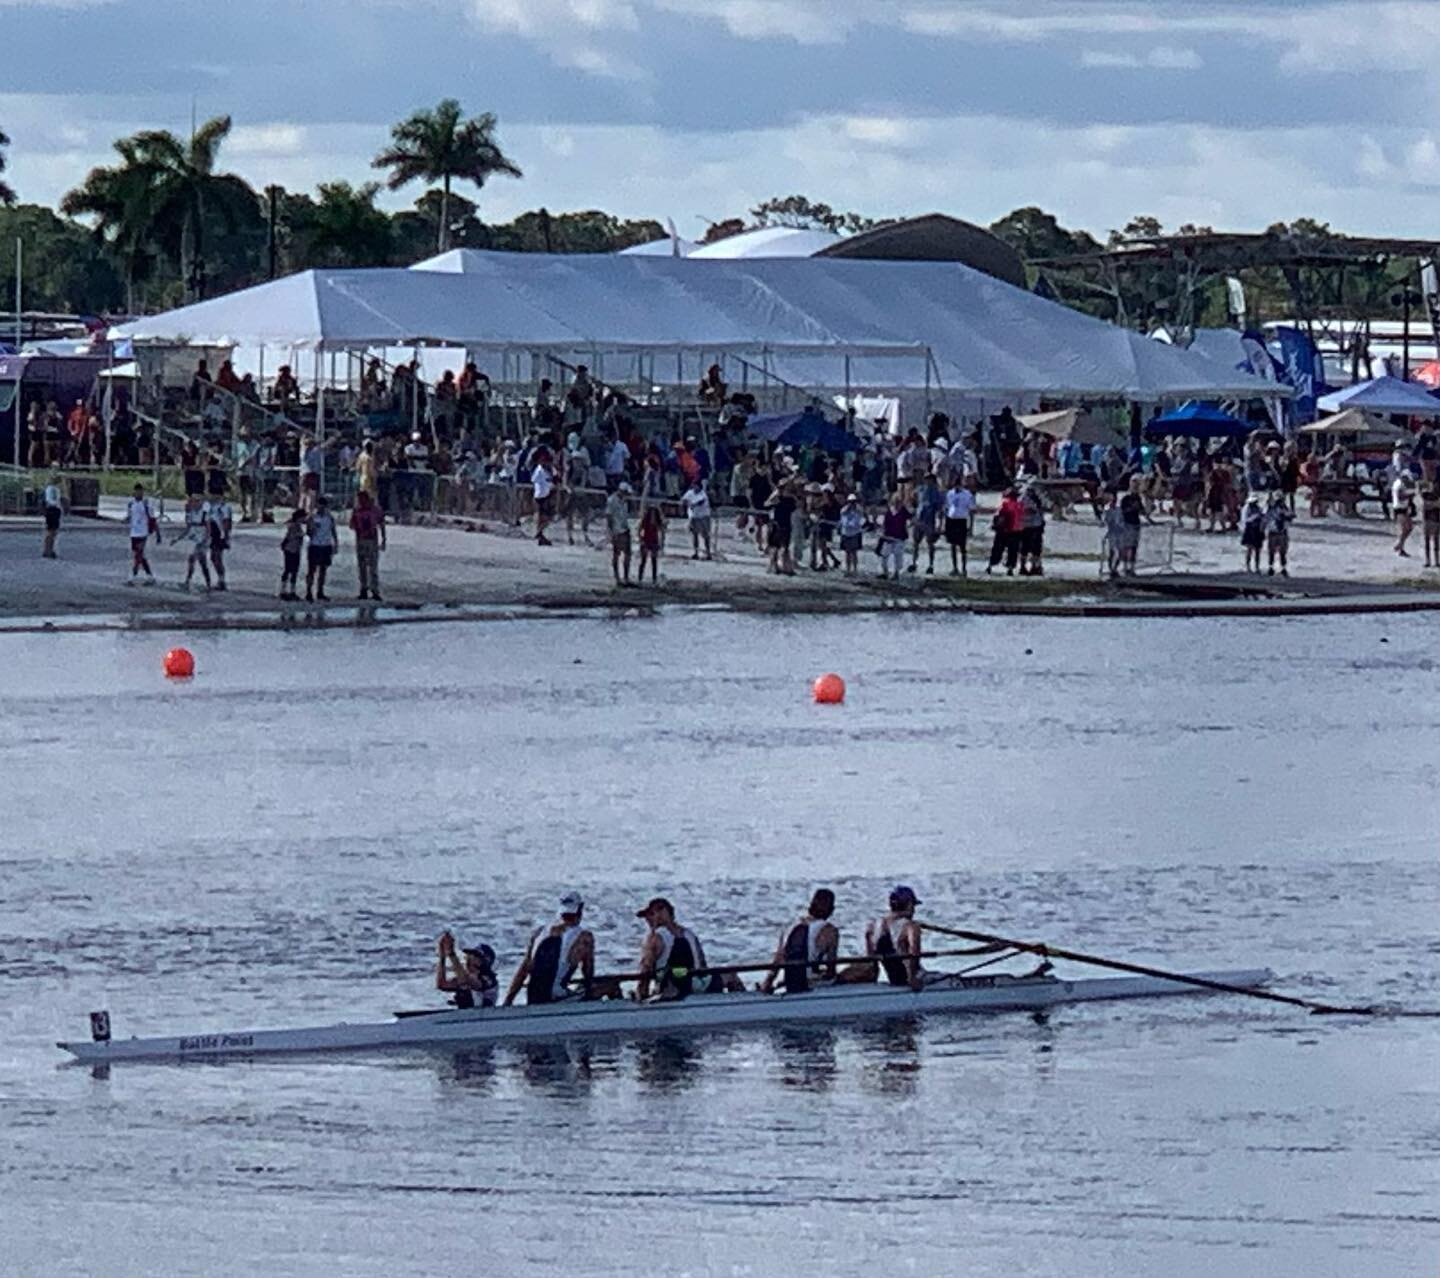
[
  {"x": 807, "y": 428},
  {"x": 1199, "y": 421},
  {"x": 1387, "y": 395}
]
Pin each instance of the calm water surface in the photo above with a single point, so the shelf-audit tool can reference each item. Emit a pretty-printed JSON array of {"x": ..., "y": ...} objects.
[{"x": 280, "y": 841}]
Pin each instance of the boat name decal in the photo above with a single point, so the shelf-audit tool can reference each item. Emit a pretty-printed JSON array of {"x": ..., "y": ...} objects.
[{"x": 210, "y": 1042}]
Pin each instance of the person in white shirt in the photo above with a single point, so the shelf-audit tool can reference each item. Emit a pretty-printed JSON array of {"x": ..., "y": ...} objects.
[
  {"x": 196, "y": 534},
  {"x": 697, "y": 506},
  {"x": 617, "y": 523},
  {"x": 959, "y": 513},
  {"x": 140, "y": 516},
  {"x": 542, "y": 482},
  {"x": 320, "y": 554},
  {"x": 617, "y": 462},
  {"x": 963, "y": 461},
  {"x": 53, "y": 506},
  {"x": 222, "y": 521}
]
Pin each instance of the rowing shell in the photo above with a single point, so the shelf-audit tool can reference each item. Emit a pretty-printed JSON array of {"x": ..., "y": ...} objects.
[{"x": 566, "y": 1020}]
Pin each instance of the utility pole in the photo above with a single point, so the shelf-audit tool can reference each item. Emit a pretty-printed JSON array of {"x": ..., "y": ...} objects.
[{"x": 19, "y": 339}]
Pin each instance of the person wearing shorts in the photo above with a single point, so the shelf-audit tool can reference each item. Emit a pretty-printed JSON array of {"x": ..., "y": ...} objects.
[
  {"x": 291, "y": 544},
  {"x": 697, "y": 507},
  {"x": 140, "y": 516},
  {"x": 959, "y": 511},
  {"x": 321, "y": 552},
  {"x": 926, "y": 530},
  {"x": 52, "y": 517},
  {"x": 852, "y": 532}
]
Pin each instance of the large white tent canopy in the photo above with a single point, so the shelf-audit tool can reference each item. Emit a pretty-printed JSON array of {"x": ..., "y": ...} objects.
[{"x": 908, "y": 321}]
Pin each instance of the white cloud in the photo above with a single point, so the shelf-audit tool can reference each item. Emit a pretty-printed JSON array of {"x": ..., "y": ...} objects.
[
  {"x": 266, "y": 140},
  {"x": 553, "y": 19},
  {"x": 803, "y": 21},
  {"x": 1163, "y": 57}
]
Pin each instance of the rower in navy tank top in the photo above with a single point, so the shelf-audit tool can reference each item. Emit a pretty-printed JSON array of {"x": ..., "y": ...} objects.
[
  {"x": 556, "y": 952},
  {"x": 894, "y": 939},
  {"x": 807, "y": 949},
  {"x": 670, "y": 956}
]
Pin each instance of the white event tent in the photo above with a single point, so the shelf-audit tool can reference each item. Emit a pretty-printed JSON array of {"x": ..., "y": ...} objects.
[{"x": 818, "y": 322}]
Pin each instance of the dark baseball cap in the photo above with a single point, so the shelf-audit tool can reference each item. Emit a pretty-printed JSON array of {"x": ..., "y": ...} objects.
[
  {"x": 655, "y": 903},
  {"x": 902, "y": 895}
]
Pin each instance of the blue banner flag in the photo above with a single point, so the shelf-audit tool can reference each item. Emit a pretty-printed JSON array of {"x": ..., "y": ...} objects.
[{"x": 1303, "y": 370}]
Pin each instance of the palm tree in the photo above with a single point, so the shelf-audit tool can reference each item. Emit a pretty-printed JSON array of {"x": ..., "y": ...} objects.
[
  {"x": 342, "y": 227},
  {"x": 161, "y": 196},
  {"x": 7, "y": 193},
  {"x": 441, "y": 146}
]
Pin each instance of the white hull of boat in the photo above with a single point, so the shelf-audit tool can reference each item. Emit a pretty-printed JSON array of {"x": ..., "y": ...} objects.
[{"x": 569, "y": 1020}]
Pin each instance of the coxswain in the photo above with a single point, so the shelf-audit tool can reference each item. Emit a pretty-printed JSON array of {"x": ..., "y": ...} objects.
[
  {"x": 807, "y": 947},
  {"x": 670, "y": 956},
  {"x": 473, "y": 980},
  {"x": 555, "y": 953},
  {"x": 893, "y": 941}
]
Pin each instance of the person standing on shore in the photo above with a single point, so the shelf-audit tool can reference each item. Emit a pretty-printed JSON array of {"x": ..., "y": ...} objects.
[
  {"x": 617, "y": 524},
  {"x": 140, "y": 516},
  {"x": 959, "y": 510},
  {"x": 367, "y": 522},
  {"x": 1252, "y": 532},
  {"x": 324, "y": 536},
  {"x": 196, "y": 534},
  {"x": 1277, "y": 531},
  {"x": 928, "y": 505},
  {"x": 894, "y": 532},
  {"x": 1402, "y": 501},
  {"x": 697, "y": 507},
  {"x": 53, "y": 508},
  {"x": 291, "y": 544},
  {"x": 366, "y": 471},
  {"x": 222, "y": 520},
  {"x": 651, "y": 534},
  {"x": 852, "y": 533},
  {"x": 1008, "y": 522},
  {"x": 542, "y": 484},
  {"x": 1430, "y": 522}
]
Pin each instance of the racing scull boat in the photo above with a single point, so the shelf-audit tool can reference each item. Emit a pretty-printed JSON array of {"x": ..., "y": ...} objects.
[{"x": 833, "y": 1004}]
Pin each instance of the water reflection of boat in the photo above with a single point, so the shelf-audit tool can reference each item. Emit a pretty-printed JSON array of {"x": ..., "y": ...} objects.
[{"x": 556, "y": 1022}]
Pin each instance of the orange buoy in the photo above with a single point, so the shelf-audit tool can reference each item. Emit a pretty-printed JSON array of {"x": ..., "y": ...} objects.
[
  {"x": 829, "y": 690},
  {"x": 179, "y": 663}
]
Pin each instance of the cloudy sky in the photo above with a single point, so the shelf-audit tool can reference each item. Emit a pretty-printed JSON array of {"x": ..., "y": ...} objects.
[{"x": 1231, "y": 114}]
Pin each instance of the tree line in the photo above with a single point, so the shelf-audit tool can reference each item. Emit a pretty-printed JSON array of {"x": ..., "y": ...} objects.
[{"x": 164, "y": 224}]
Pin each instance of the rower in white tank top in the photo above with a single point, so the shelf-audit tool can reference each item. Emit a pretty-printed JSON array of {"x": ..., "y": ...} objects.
[
  {"x": 670, "y": 955},
  {"x": 556, "y": 952},
  {"x": 821, "y": 946}
]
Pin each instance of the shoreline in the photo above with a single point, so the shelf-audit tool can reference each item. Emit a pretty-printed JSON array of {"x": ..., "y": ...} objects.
[{"x": 479, "y": 573}]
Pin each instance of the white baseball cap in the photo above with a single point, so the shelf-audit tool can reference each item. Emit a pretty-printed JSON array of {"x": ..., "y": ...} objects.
[{"x": 571, "y": 903}]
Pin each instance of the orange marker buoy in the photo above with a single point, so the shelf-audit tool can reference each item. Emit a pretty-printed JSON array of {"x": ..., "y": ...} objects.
[
  {"x": 179, "y": 663},
  {"x": 829, "y": 690}
]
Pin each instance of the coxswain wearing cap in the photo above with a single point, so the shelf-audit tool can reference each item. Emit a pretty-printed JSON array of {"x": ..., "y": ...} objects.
[
  {"x": 469, "y": 974},
  {"x": 807, "y": 947},
  {"x": 555, "y": 953},
  {"x": 669, "y": 955}
]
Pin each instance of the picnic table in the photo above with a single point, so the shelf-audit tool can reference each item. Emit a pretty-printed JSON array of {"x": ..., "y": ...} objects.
[{"x": 1062, "y": 495}]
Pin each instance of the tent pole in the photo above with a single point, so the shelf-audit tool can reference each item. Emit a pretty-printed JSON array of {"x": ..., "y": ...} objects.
[
  {"x": 107, "y": 400},
  {"x": 19, "y": 341}
]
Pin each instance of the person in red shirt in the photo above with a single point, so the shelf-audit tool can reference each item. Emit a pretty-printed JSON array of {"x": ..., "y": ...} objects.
[
  {"x": 1008, "y": 524},
  {"x": 367, "y": 522},
  {"x": 77, "y": 423}
]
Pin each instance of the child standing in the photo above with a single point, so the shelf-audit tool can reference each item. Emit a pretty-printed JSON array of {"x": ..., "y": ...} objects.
[
  {"x": 291, "y": 544},
  {"x": 651, "y": 527},
  {"x": 852, "y": 530},
  {"x": 1252, "y": 532},
  {"x": 1277, "y": 532}
]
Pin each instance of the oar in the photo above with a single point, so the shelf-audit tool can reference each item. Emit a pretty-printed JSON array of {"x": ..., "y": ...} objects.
[
  {"x": 1223, "y": 987},
  {"x": 741, "y": 969}
]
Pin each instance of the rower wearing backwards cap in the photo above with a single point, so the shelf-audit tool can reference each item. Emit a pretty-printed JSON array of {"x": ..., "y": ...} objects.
[
  {"x": 670, "y": 954},
  {"x": 893, "y": 940},
  {"x": 554, "y": 954}
]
